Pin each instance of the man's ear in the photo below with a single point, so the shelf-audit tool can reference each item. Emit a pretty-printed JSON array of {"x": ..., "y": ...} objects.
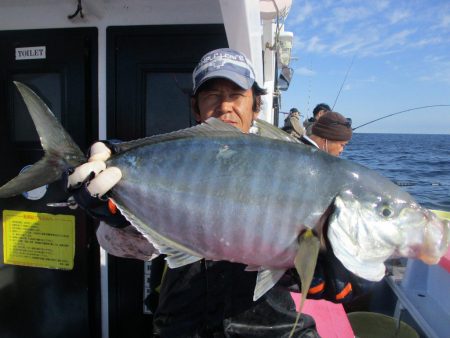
[
  {"x": 195, "y": 110},
  {"x": 257, "y": 105}
]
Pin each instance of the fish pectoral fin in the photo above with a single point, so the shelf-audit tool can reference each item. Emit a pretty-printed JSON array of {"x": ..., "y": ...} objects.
[
  {"x": 265, "y": 280},
  {"x": 305, "y": 261},
  {"x": 305, "y": 264}
]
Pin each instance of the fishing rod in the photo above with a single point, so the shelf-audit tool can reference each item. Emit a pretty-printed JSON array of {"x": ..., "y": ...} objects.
[
  {"x": 399, "y": 112},
  {"x": 343, "y": 82},
  {"x": 412, "y": 184}
]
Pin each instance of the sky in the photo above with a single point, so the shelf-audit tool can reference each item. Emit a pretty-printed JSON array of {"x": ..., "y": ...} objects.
[{"x": 401, "y": 60}]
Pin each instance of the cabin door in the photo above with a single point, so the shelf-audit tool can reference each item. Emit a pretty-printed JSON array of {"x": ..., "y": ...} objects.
[
  {"x": 149, "y": 86},
  {"x": 49, "y": 267}
]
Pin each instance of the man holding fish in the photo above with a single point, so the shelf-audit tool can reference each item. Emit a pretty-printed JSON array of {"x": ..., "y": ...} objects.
[
  {"x": 196, "y": 196},
  {"x": 208, "y": 298}
]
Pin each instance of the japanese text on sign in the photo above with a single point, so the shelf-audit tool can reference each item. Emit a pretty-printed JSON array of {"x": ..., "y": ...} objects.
[{"x": 38, "y": 239}]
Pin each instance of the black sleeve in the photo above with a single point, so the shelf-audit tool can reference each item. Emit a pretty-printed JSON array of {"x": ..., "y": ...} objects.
[
  {"x": 331, "y": 281},
  {"x": 102, "y": 209}
]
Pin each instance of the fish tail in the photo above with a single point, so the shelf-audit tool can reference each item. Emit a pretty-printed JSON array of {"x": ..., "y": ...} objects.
[
  {"x": 61, "y": 152},
  {"x": 305, "y": 264}
]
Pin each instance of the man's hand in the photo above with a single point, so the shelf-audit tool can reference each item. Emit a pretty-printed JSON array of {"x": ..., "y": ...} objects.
[
  {"x": 90, "y": 182},
  {"x": 99, "y": 179}
]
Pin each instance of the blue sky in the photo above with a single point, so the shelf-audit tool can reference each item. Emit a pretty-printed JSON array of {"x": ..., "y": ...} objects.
[{"x": 401, "y": 53}]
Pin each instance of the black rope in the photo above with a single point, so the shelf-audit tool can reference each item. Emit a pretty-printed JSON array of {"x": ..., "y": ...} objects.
[{"x": 78, "y": 11}]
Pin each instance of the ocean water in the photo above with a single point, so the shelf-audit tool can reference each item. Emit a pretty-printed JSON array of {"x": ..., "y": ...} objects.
[{"x": 420, "y": 164}]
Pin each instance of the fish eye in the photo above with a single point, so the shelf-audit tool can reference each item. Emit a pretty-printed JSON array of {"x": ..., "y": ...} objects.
[{"x": 386, "y": 212}]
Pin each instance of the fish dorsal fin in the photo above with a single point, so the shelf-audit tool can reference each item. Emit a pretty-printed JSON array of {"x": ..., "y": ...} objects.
[
  {"x": 265, "y": 280},
  {"x": 177, "y": 254},
  {"x": 210, "y": 127},
  {"x": 213, "y": 125},
  {"x": 265, "y": 129}
]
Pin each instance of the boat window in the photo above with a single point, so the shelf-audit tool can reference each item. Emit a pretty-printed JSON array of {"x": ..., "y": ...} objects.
[
  {"x": 48, "y": 87},
  {"x": 167, "y": 101}
]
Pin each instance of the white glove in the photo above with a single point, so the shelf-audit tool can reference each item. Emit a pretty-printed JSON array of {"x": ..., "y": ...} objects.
[{"x": 105, "y": 178}]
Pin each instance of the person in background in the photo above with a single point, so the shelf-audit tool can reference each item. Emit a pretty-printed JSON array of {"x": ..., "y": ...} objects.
[
  {"x": 318, "y": 111},
  {"x": 331, "y": 133},
  {"x": 293, "y": 125}
]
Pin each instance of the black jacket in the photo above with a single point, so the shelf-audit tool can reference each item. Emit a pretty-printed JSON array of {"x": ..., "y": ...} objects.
[{"x": 215, "y": 299}]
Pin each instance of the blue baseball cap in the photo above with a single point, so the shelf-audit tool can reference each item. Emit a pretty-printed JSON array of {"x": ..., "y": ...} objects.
[{"x": 224, "y": 63}]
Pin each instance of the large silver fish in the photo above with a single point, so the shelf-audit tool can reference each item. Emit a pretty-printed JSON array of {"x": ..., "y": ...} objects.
[{"x": 213, "y": 192}]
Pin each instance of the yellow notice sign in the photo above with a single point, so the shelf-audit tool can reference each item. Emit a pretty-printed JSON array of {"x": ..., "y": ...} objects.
[{"x": 38, "y": 239}]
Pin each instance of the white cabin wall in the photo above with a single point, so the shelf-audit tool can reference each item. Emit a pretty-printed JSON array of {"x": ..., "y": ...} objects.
[
  {"x": 269, "y": 66},
  {"x": 38, "y": 14},
  {"x": 242, "y": 23},
  {"x": 34, "y": 14}
]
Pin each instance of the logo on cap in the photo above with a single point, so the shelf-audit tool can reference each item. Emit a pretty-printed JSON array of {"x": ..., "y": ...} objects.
[
  {"x": 217, "y": 64},
  {"x": 224, "y": 63}
]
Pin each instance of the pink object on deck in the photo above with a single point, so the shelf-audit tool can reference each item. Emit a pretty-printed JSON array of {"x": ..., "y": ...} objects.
[
  {"x": 331, "y": 319},
  {"x": 445, "y": 261}
]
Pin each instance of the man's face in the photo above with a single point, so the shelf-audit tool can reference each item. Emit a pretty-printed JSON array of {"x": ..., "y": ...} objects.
[
  {"x": 222, "y": 99},
  {"x": 335, "y": 148},
  {"x": 321, "y": 113}
]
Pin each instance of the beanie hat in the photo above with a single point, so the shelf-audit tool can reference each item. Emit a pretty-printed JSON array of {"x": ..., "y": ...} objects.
[{"x": 333, "y": 126}]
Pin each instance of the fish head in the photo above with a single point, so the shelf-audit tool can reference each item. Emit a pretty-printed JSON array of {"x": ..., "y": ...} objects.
[{"x": 367, "y": 228}]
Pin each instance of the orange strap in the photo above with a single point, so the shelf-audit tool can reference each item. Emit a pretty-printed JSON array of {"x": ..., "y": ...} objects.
[
  {"x": 112, "y": 207},
  {"x": 316, "y": 289},
  {"x": 345, "y": 292}
]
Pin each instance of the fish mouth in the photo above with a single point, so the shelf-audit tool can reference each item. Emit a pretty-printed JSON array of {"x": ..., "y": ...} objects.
[
  {"x": 428, "y": 259},
  {"x": 437, "y": 241}
]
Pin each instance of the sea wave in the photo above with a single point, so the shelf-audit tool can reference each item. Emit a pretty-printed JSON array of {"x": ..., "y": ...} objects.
[{"x": 420, "y": 164}]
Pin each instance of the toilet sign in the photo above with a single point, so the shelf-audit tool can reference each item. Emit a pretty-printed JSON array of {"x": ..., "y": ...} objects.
[{"x": 29, "y": 53}]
